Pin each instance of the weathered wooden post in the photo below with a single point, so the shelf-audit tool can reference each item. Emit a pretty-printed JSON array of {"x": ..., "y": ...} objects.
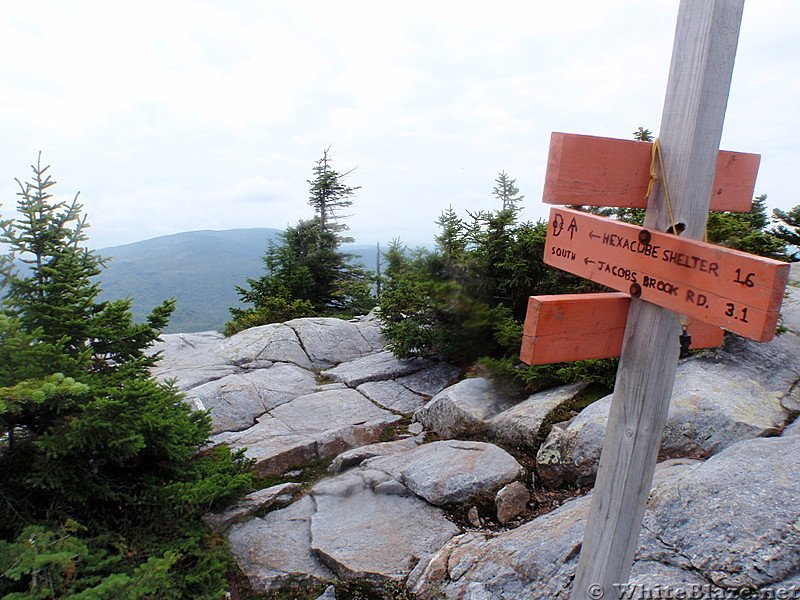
[
  {"x": 660, "y": 270},
  {"x": 691, "y": 126}
]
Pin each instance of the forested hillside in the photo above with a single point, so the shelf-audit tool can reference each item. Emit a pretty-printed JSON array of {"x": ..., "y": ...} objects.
[{"x": 198, "y": 268}]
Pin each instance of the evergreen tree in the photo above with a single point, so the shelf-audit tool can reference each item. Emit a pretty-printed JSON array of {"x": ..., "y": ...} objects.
[
  {"x": 329, "y": 195},
  {"x": 452, "y": 242},
  {"x": 643, "y": 135},
  {"x": 101, "y": 486},
  {"x": 306, "y": 273},
  {"x": 468, "y": 298},
  {"x": 507, "y": 192},
  {"x": 788, "y": 228},
  {"x": 747, "y": 231}
]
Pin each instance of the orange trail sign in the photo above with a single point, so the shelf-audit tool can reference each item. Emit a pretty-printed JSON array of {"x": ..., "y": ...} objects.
[
  {"x": 728, "y": 288},
  {"x": 597, "y": 171},
  {"x": 567, "y": 327}
]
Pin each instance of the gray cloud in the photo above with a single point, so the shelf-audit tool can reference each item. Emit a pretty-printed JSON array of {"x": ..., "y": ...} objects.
[{"x": 175, "y": 115}]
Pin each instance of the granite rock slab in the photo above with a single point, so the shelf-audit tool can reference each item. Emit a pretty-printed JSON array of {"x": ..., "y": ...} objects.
[
  {"x": 328, "y": 342},
  {"x": 379, "y": 366},
  {"x": 450, "y": 470},
  {"x": 376, "y": 536},
  {"x": 260, "y": 345},
  {"x": 275, "y": 550},
  {"x": 314, "y": 426},
  {"x": 236, "y": 400}
]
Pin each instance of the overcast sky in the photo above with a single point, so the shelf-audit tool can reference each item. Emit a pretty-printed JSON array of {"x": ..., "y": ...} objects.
[{"x": 180, "y": 115}]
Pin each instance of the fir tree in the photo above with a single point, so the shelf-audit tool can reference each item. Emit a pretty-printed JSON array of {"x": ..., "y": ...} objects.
[
  {"x": 788, "y": 228},
  {"x": 507, "y": 192},
  {"x": 643, "y": 135},
  {"x": 452, "y": 241},
  {"x": 329, "y": 195},
  {"x": 747, "y": 231},
  {"x": 101, "y": 486},
  {"x": 305, "y": 272}
]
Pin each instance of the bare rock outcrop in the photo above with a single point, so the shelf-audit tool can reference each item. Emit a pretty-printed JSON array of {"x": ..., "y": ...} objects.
[
  {"x": 311, "y": 389},
  {"x": 314, "y": 426},
  {"x": 730, "y": 523}
]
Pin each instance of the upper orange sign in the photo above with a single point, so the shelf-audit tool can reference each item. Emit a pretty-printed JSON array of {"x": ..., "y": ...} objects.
[
  {"x": 731, "y": 289},
  {"x": 596, "y": 171}
]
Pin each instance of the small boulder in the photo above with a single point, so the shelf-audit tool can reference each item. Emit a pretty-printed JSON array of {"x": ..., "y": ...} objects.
[
  {"x": 520, "y": 425},
  {"x": 571, "y": 451},
  {"x": 451, "y": 470},
  {"x": 474, "y": 517},
  {"x": 511, "y": 501},
  {"x": 464, "y": 407},
  {"x": 415, "y": 428}
]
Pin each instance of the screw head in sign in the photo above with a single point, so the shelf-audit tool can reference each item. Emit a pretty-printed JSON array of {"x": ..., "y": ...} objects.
[
  {"x": 636, "y": 290},
  {"x": 645, "y": 236}
]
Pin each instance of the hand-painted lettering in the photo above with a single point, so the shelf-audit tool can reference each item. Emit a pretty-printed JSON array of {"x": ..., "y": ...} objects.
[
  {"x": 618, "y": 271},
  {"x": 563, "y": 253},
  {"x": 740, "y": 313},
  {"x": 748, "y": 279},
  {"x": 635, "y": 246},
  {"x": 696, "y": 298},
  {"x": 690, "y": 262},
  {"x": 660, "y": 285},
  {"x": 717, "y": 285}
]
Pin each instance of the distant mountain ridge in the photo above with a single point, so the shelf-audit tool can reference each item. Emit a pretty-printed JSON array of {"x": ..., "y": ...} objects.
[{"x": 198, "y": 268}]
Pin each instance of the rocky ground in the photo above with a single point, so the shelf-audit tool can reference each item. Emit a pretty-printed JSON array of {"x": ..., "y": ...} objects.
[{"x": 405, "y": 477}]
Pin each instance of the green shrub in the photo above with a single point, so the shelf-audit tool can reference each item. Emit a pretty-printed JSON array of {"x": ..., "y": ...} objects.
[
  {"x": 102, "y": 481},
  {"x": 271, "y": 309}
]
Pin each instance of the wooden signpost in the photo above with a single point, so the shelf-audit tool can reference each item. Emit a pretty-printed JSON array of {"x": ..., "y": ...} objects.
[{"x": 661, "y": 270}]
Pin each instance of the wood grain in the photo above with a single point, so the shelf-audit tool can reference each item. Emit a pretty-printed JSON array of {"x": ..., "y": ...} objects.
[{"x": 691, "y": 127}]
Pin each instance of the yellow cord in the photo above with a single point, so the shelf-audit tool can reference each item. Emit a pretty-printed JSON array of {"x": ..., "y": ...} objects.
[{"x": 657, "y": 153}]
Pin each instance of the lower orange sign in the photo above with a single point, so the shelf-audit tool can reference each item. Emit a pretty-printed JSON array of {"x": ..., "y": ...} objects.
[
  {"x": 735, "y": 290},
  {"x": 569, "y": 327}
]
